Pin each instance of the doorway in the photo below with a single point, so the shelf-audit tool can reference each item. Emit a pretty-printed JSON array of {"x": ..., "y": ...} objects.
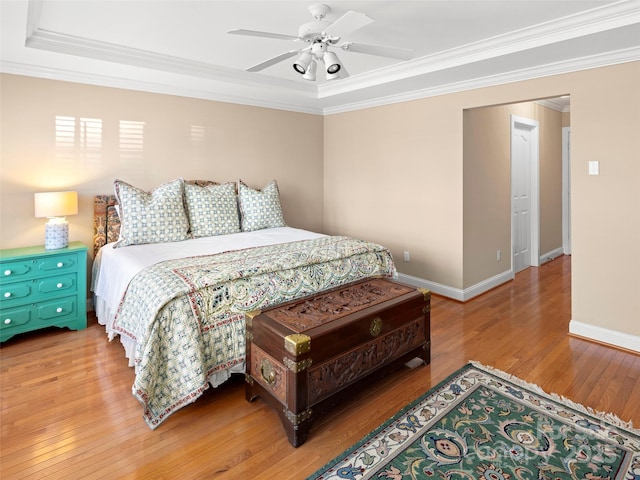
[{"x": 525, "y": 178}]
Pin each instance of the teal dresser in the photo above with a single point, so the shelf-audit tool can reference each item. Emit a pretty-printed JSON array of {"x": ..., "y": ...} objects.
[{"x": 42, "y": 288}]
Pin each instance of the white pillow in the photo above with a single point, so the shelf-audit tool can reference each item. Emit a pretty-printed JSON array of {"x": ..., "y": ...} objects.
[
  {"x": 151, "y": 217},
  {"x": 212, "y": 209},
  {"x": 260, "y": 208}
]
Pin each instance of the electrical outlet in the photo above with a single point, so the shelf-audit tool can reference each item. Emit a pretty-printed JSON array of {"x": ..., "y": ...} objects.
[
  {"x": 407, "y": 257},
  {"x": 498, "y": 255}
]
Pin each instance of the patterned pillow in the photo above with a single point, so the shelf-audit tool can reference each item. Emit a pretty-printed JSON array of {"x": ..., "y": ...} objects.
[
  {"x": 212, "y": 210},
  {"x": 151, "y": 217},
  {"x": 260, "y": 208}
]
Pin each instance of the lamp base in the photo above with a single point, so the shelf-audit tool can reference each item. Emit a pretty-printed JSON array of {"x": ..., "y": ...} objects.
[{"x": 56, "y": 235}]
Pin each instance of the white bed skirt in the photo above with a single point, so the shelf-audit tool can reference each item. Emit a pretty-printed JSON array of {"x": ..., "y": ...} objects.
[{"x": 106, "y": 317}]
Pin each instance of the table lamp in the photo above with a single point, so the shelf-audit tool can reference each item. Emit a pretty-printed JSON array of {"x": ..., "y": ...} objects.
[{"x": 55, "y": 206}]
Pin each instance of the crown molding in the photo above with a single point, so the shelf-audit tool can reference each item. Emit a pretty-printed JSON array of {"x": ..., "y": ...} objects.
[
  {"x": 52, "y": 73},
  {"x": 110, "y": 52},
  {"x": 585, "y": 63},
  {"x": 554, "y": 104},
  {"x": 557, "y": 68}
]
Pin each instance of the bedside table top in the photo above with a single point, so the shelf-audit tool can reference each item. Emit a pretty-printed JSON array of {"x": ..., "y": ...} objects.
[{"x": 40, "y": 250}]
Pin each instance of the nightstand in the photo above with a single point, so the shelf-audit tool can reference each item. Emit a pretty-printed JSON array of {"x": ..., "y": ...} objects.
[{"x": 42, "y": 288}]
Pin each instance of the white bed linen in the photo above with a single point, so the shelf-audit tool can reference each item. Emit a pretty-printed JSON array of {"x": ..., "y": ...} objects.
[{"x": 113, "y": 268}]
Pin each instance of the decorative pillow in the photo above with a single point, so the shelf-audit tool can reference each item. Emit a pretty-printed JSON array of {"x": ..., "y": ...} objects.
[
  {"x": 212, "y": 210},
  {"x": 260, "y": 208},
  {"x": 151, "y": 217}
]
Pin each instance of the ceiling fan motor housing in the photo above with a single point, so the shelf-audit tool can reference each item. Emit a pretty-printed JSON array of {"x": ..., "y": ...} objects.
[{"x": 312, "y": 31}]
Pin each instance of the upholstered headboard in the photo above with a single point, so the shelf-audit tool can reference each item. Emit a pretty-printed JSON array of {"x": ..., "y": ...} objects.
[{"x": 106, "y": 223}]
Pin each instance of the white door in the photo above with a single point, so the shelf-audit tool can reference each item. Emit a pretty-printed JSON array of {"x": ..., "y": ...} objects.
[{"x": 524, "y": 200}]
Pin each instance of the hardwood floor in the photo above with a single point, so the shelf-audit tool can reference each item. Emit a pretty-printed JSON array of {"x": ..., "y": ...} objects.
[{"x": 67, "y": 410}]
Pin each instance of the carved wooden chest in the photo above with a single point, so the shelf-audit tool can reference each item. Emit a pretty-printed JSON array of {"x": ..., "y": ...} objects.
[{"x": 304, "y": 355}]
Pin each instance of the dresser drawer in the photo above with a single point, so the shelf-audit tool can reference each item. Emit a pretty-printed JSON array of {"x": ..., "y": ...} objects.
[
  {"x": 58, "y": 309},
  {"x": 60, "y": 263},
  {"x": 59, "y": 312},
  {"x": 15, "y": 293},
  {"x": 59, "y": 283},
  {"x": 29, "y": 291},
  {"x": 23, "y": 269},
  {"x": 15, "y": 317}
]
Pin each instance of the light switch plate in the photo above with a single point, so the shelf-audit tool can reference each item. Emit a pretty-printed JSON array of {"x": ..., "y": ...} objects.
[{"x": 594, "y": 167}]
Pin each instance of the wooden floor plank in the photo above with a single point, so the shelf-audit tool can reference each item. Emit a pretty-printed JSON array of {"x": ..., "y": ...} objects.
[{"x": 66, "y": 409}]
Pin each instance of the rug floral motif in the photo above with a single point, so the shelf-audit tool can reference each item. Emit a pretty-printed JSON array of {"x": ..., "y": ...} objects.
[{"x": 481, "y": 423}]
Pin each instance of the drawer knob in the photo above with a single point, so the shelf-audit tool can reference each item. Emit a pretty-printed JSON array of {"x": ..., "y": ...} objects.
[
  {"x": 7, "y": 294},
  {"x": 7, "y": 321},
  {"x": 60, "y": 264},
  {"x": 59, "y": 310},
  {"x": 7, "y": 272},
  {"x": 59, "y": 285}
]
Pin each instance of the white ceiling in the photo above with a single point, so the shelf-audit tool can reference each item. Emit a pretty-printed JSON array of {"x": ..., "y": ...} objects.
[{"x": 182, "y": 47}]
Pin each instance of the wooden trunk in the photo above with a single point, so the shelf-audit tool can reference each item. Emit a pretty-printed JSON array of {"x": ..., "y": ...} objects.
[{"x": 304, "y": 355}]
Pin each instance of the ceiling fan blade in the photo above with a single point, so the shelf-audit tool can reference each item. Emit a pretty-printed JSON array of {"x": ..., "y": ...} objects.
[
  {"x": 256, "y": 33},
  {"x": 348, "y": 23},
  {"x": 273, "y": 61},
  {"x": 380, "y": 50}
]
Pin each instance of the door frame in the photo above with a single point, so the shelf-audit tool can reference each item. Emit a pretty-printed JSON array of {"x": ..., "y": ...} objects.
[
  {"x": 566, "y": 190},
  {"x": 534, "y": 127}
]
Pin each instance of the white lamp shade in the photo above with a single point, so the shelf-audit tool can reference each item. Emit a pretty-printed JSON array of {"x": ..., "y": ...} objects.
[{"x": 56, "y": 204}]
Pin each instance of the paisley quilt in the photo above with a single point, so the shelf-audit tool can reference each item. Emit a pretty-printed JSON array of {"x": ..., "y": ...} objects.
[{"x": 186, "y": 316}]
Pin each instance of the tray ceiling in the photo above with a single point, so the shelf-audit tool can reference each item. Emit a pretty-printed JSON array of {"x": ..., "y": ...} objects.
[{"x": 182, "y": 47}]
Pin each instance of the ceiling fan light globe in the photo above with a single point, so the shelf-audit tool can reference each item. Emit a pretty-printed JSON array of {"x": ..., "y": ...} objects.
[
  {"x": 331, "y": 63},
  {"x": 310, "y": 74},
  {"x": 302, "y": 63}
]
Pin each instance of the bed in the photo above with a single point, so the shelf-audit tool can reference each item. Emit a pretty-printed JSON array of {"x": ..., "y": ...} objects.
[{"x": 178, "y": 305}]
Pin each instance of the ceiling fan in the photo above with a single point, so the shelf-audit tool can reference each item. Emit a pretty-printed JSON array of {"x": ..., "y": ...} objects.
[{"x": 321, "y": 35}]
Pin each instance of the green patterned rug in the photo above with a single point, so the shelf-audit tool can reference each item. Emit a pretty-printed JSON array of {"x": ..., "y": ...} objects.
[{"x": 481, "y": 423}]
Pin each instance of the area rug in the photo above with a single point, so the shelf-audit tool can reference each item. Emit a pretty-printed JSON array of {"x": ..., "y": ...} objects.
[{"x": 481, "y": 423}]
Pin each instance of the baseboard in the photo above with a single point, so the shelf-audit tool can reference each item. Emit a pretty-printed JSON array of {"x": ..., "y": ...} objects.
[
  {"x": 552, "y": 255},
  {"x": 437, "y": 288},
  {"x": 604, "y": 335},
  {"x": 456, "y": 293},
  {"x": 488, "y": 284}
]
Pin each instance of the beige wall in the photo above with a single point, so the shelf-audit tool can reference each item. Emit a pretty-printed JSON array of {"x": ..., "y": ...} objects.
[
  {"x": 605, "y": 121},
  {"x": 395, "y": 174},
  {"x": 183, "y": 137},
  {"x": 487, "y": 186},
  {"x": 392, "y": 174}
]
